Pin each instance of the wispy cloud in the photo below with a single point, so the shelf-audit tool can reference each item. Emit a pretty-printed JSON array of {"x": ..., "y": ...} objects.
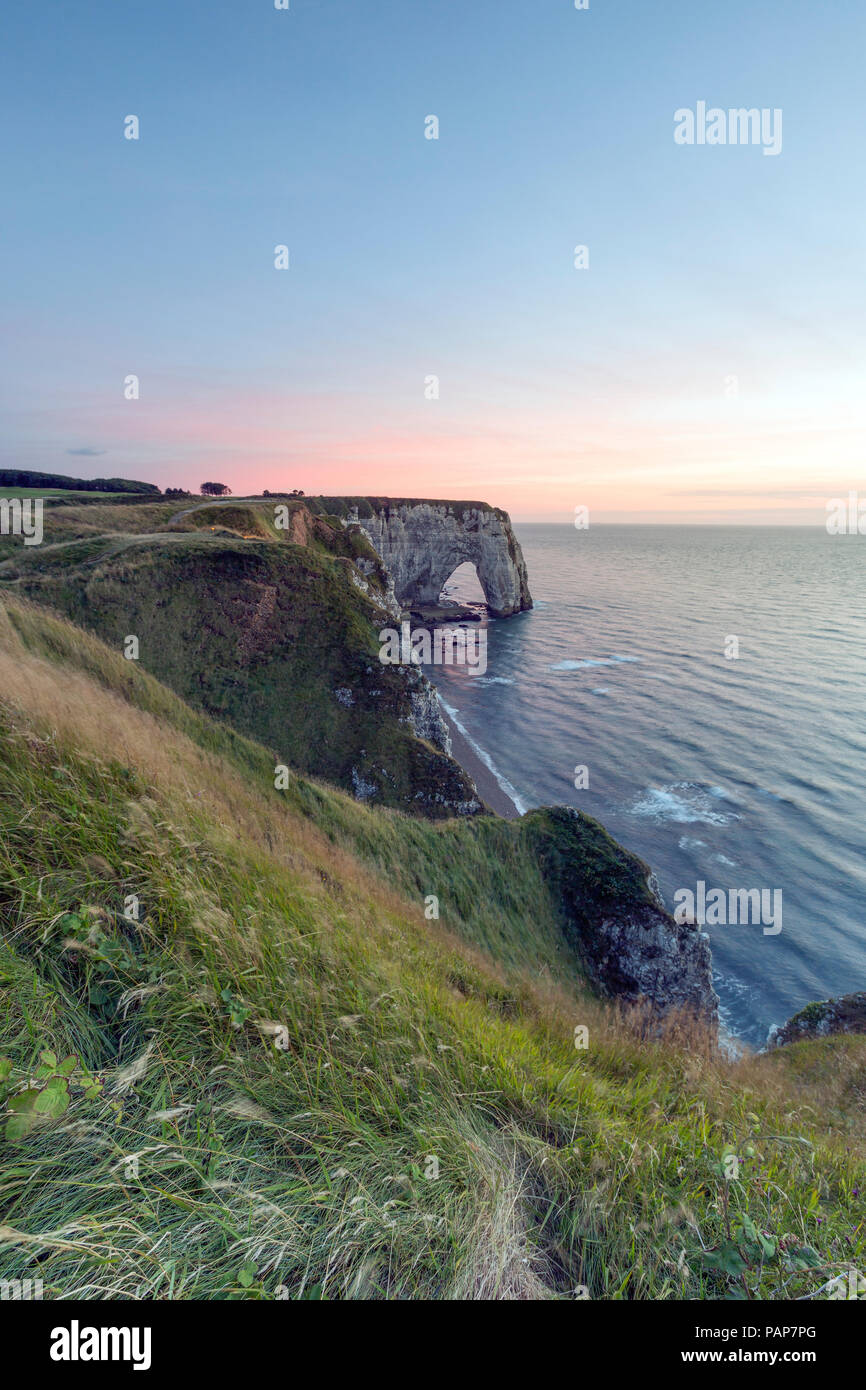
[{"x": 87, "y": 452}]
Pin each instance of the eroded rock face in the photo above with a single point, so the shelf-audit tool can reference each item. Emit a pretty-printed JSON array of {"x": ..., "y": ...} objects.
[
  {"x": 426, "y": 717},
  {"x": 631, "y": 948},
  {"x": 645, "y": 954},
  {"x": 844, "y": 1015},
  {"x": 422, "y": 543}
]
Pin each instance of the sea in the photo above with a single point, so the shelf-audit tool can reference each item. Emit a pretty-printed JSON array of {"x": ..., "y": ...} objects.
[{"x": 711, "y": 681}]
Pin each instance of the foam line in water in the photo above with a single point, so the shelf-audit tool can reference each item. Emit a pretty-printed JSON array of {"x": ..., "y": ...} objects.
[
  {"x": 592, "y": 661},
  {"x": 485, "y": 758}
]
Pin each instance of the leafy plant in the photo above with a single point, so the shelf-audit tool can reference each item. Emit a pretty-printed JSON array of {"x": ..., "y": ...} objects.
[
  {"x": 238, "y": 1012},
  {"x": 750, "y": 1251},
  {"x": 49, "y": 1101}
]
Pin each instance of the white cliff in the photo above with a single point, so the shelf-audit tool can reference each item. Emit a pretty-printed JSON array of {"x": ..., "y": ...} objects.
[{"x": 422, "y": 543}]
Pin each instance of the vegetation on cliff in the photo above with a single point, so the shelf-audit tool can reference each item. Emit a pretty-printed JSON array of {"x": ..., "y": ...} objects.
[
  {"x": 270, "y": 628},
  {"x": 241, "y": 1062}
]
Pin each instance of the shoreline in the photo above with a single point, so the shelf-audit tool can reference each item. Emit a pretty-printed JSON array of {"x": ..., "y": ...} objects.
[{"x": 486, "y": 784}]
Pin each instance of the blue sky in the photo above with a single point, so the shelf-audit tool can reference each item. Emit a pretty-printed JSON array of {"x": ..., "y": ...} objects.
[{"x": 412, "y": 257}]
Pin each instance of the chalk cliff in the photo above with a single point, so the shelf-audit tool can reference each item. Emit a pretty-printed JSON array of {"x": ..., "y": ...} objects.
[{"x": 421, "y": 543}]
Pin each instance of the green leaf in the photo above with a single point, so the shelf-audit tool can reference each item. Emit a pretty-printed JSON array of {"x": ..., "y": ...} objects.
[
  {"x": 727, "y": 1259},
  {"x": 25, "y": 1100},
  {"x": 18, "y": 1127},
  {"x": 802, "y": 1257},
  {"x": 246, "y": 1275},
  {"x": 5, "y": 1067},
  {"x": 54, "y": 1100},
  {"x": 68, "y": 1064},
  {"x": 49, "y": 1059}
]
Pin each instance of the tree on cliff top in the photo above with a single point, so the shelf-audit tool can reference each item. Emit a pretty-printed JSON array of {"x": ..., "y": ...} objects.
[{"x": 215, "y": 490}]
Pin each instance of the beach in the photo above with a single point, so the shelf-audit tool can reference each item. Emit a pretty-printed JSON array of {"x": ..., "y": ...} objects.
[{"x": 488, "y": 788}]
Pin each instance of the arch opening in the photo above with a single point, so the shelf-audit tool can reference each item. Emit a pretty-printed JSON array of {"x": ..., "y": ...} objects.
[{"x": 463, "y": 587}]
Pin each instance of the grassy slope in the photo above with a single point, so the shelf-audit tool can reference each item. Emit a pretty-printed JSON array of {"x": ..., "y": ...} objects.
[
  {"x": 251, "y": 628},
  {"x": 306, "y": 1167},
  {"x": 76, "y": 516}
]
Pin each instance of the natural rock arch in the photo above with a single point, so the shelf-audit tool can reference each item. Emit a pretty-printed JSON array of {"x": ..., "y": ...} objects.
[{"x": 422, "y": 543}]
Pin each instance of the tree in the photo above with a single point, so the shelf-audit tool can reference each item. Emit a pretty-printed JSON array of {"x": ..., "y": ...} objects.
[{"x": 215, "y": 490}]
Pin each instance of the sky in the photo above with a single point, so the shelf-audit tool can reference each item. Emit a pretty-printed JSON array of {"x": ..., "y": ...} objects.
[{"x": 707, "y": 365}]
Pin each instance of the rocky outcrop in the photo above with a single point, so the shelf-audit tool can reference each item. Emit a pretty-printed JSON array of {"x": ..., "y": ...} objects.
[
  {"x": 645, "y": 954},
  {"x": 422, "y": 543},
  {"x": 426, "y": 716},
  {"x": 819, "y": 1020},
  {"x": 630, "y": 947}
]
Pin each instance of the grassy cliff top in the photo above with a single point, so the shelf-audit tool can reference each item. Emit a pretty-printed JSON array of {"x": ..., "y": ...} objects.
[
  {"x": 369, "y": 506},
  {"x": 272, "y": 630}
]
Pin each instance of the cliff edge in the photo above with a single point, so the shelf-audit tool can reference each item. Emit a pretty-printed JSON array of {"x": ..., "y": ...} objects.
[{"x": 421, "y": 543}]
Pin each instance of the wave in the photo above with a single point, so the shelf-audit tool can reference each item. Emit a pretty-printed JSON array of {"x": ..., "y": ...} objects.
[
  {"x": 484, "y": 756},
  {"x": 614, "y": 660},
  {"x": 684, "y": 803}
]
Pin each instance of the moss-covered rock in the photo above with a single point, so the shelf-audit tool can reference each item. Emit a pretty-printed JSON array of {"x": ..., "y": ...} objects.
[
  {"x": 821, "y": 1018},
  {"x": 630, "y": 947}
]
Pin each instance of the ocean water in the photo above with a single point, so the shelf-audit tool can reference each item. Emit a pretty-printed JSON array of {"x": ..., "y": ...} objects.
[{"x": 742, "y": 773}]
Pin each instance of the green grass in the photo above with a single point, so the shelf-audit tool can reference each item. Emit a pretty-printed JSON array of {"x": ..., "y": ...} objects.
[
  {"x": 53, "y": 492},
  {"x": 408, "y": 1040},
  {"x": 68, "y": 496},
  {"x": 273, "y": 637}
]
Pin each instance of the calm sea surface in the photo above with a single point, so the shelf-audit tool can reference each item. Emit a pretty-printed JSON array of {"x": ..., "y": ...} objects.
[{"x": 744, "y": 773}]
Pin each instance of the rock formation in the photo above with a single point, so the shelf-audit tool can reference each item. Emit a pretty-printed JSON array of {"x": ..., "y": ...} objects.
[
  {"x": 612, "y": 917},
  {"x": 422, "y": 543},
  {"x": 818, "y": 1020}
]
